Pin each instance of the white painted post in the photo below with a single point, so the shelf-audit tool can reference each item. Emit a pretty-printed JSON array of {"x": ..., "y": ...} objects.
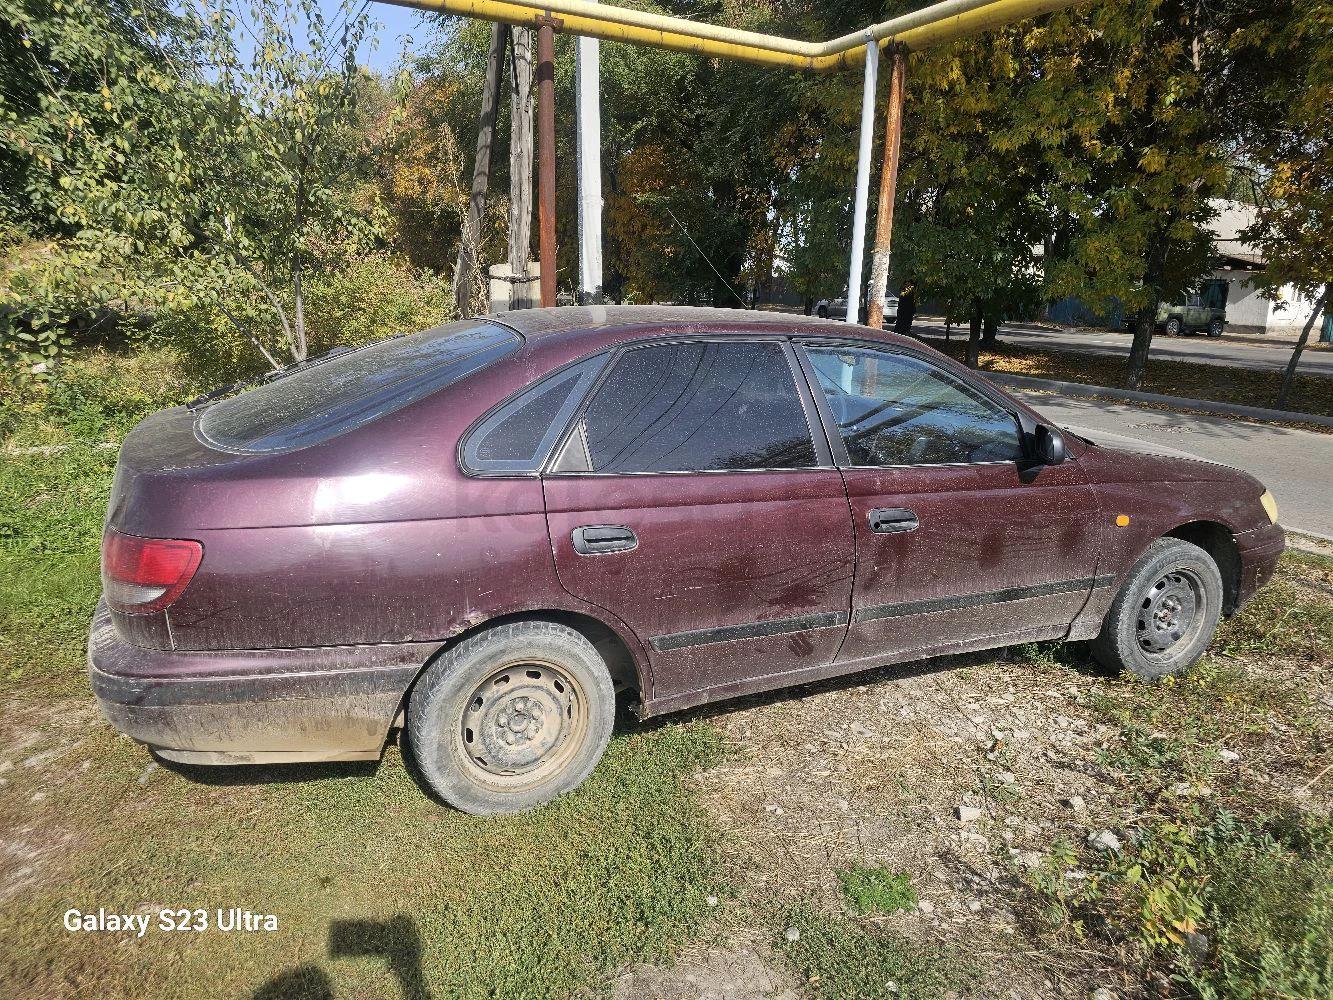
[
  {"x": 862, "y": 181},
  {"x": 587, "y": 71}
]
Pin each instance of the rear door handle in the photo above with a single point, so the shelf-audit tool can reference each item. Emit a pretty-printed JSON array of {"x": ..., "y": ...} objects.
[
  {"x": 595, "y": 539},
  {"x": 891, "y": 520}
]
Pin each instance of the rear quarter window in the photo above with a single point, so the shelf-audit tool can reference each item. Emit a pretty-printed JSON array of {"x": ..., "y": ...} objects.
[{"x": 332, "y": 397}]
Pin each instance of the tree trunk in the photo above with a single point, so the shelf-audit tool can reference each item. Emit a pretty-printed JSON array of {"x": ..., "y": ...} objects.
[
  {"x": 298, "y": 342},
  {"x": 1145, "y": 323},
  {"x": 1289, "y": 376},
  {"x": 520, "y": 154},
  {"x": 467, "y": 270},
  {"x": 990, "y": 329},
  {"x": 299, "y": 350},
  {"x": 974, "y": 336}
]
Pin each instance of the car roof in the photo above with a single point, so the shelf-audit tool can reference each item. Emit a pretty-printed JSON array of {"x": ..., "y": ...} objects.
[{"x": 670, "y": 320}]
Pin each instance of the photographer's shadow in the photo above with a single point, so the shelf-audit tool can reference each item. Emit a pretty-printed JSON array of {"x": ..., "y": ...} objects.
[{"x": 395, "y": 940}]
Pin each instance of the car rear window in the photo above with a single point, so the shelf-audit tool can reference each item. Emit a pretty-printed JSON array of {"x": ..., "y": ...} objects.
[{"x": 331, "y": 397}]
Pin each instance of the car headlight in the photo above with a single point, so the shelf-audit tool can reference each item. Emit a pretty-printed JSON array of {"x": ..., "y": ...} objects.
[{"x": 1270, "y": 506}]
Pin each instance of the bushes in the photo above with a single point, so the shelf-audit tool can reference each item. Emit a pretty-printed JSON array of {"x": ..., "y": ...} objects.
[
  {"x": 97, "y": 394},
  {"x": 372, "y": 297},
  {"x": 363, "y": 298},
  {"x": 94, "y": 396},
  {"x": 1242, "y": 909}
]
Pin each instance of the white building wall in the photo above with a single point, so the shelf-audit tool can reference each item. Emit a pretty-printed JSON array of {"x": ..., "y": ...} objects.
[
  {"x": 1247, "y": 311},
  {"x": 1289, "y": 314},
  {"x": 1250, "y": 312}
]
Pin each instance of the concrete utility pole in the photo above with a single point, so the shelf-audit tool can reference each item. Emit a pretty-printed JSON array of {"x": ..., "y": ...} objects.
[
  {"x": 546, "y": 157},
  {"x": 466, "y": 267},
  {"x": 862, "y": 182},
  {"x": 888, "y": 189},
  {"x": 520, "y": 165},
  {"x": 587, "y": 85}
]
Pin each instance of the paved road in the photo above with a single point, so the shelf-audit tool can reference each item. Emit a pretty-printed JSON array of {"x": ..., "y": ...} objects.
[
  {"x": 1201, "y": 350},
  {"x": 1296, "y": 465}
]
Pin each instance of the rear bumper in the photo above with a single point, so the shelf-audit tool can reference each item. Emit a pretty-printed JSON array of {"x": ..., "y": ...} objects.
[
  {"x": 1259, "y": 551},
  {"x": 252, "y": 706}
]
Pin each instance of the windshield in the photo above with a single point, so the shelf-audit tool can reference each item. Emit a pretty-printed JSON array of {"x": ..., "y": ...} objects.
[{"x": 316, "y": 403}]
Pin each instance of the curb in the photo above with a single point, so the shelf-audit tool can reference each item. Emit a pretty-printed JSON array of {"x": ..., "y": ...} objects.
[{"x": 1130, "y": 396}]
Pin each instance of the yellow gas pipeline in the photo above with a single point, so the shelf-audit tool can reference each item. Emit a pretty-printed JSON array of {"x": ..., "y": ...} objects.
[{"x": 934, "y": 25}]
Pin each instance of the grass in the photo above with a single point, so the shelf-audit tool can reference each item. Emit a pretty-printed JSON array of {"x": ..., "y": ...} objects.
[
  {"x": 363, "y": 872},
  {"x": 873, "y": 890},
  {"x": 1217, "y": 383},
  {"x": 1228, "y": 888},
  {"x": 51, "y": 509},
  {"x": 839, "y": 959}
]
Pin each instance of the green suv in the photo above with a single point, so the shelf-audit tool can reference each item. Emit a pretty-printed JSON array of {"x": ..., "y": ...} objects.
[{"x": 1203, "y": 310}]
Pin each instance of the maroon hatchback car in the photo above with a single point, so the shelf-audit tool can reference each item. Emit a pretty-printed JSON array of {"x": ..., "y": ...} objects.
[{"x": 483, "y": 532}]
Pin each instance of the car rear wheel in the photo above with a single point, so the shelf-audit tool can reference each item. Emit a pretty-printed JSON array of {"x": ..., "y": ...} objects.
[
  {"x": 823, "y": 312},
  {"x": 511, "y": 717},
  {"x": 1174, "y": 327},
  {"x": 1166, "y": 613}
]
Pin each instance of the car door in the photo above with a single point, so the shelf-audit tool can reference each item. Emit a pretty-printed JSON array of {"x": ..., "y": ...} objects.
[
  {"x": 960, "y": 541},
  {"x": 695, "y": 499},
  {"x": 1196, "y": 314}
]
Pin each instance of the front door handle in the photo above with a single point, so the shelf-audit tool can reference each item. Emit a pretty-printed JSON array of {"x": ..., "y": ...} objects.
[
  {"x": 595, "y": 539},
  {"x": 891, "y": 520}
]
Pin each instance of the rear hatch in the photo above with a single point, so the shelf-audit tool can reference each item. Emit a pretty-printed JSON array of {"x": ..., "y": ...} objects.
[{"x": 251, "y": 460}]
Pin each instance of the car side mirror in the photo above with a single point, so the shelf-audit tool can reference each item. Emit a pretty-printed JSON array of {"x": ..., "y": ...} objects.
[{"x": 1050, "y": 445}]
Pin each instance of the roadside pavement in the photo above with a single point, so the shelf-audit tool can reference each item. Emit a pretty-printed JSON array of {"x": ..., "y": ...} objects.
[
  {"x": 1202, "y": 350},
  {"x": 1296, "y": 465}
]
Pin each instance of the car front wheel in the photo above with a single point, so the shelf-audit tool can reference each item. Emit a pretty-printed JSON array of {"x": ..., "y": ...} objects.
[
  {"x": 1215, "y": 328},
  {"x": 511, "y": 717},
  {"x": 1166, "y": 613},
  {"x": 1174, "y": 327}
]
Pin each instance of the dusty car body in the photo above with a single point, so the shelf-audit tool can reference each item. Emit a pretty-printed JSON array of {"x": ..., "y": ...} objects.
[{"x": 691, "y": 497}]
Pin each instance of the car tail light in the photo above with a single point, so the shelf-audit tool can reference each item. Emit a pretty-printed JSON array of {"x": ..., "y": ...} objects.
[{"x": 142, "y": 575}]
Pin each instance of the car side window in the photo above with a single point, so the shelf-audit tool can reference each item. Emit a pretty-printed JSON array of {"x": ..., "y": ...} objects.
[
  {"x": 517, "y": 437},
  {"x": 893, "y": 409},
  {"x": 697, "y": 407}
]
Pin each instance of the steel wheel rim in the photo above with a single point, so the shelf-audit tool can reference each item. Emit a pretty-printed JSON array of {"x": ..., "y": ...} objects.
[
  {"x": 522, "y": 724},
  {"x": 1170, "y": 613}
]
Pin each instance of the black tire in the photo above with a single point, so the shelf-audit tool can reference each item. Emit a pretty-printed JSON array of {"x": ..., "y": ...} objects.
[
  {"x": 1215, "y": 328},
  {"x": 1165, "y": 614},
  {"x": 823, "y": 312},
  {"x": 1174, "y": 327},
  {"x": 480, "y": 720}
]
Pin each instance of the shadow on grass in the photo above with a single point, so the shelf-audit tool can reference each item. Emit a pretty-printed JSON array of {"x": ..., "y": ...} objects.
[
  {"x": 268, "y": 774},
  {"x": 395, "y": 941}
]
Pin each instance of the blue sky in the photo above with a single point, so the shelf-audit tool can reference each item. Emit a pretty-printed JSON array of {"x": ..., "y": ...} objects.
[{"x": 395, "y": 24}]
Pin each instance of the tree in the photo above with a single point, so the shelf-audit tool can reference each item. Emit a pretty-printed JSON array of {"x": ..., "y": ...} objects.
[
  {"x": 971, "y": 182},
  {"x": 285, "y": 125},
  {"x": 1286, "y": 69},
  {"x": 95, "y": 168},
  {"x": 1133, "y": 94}
]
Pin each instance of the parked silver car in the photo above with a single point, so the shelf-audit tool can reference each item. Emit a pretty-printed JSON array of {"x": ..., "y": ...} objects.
[{"x": 837, "y": 308}]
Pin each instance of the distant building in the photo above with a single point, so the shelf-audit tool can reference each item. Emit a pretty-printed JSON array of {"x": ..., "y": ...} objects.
[
  {"x": 1247, "y": 310},
  {"x": 1239, "y": 264}
]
